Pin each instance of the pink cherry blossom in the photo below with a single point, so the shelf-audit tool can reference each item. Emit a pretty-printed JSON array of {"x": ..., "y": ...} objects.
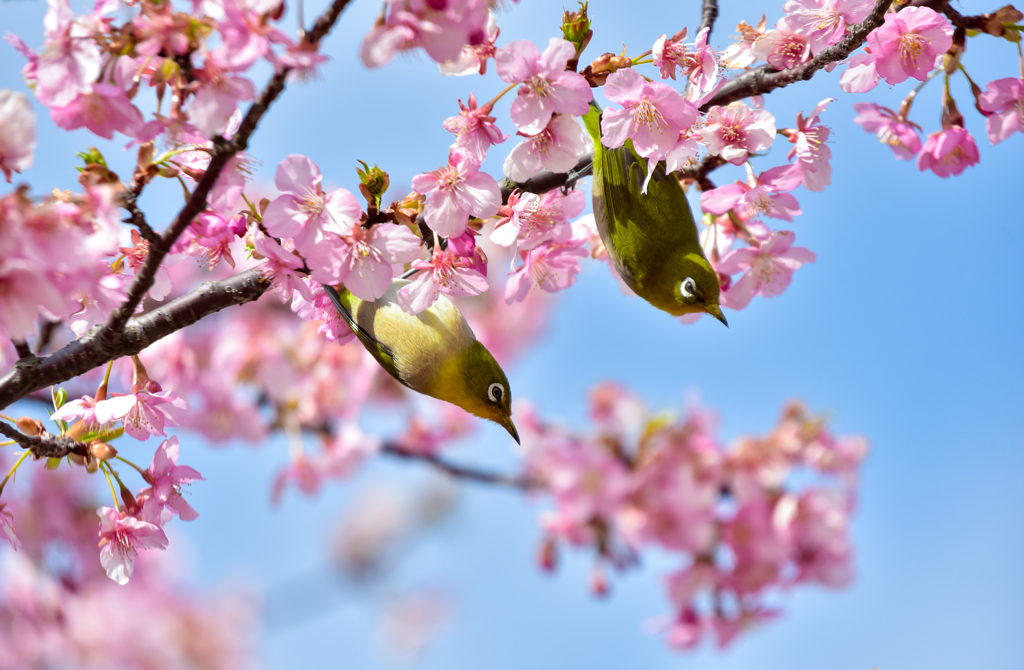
[
  {"x": 900, "y": 135},
  {"x": 782, "y": 47},
  {"x": 736, "y": 131},
  {"x": 444, "y": 273},
  {"x": 209, "y": 238},
  {"x": 363, "y": 260},
  {"x": 167, "y": 478},
  {"x": 810, "y": 148},
  {"x": 121, "y": 537},
  {"x": 159, "y": 28},
  {"x": 320, "y": 308},
  {"x": 698, "y": 64},
  {"x": 769, "y": 269},
  {"x": 669, "y": 53},
  {"x": 22, "y": 294},
  {"x": 71, "y": 62},
  {"x": 7, "y": 528},
  {"x": 762, "y": 195},
  {"x": 549, "y": 266},
  {"x": 98, "y": 298},
  {"x": 653, "y": 114},
  {"x": 687, "y": 146},
  {"x": 281, "y": 265},
  {"x": 556, "y": 148},
  {"x": 103, "y": 110},
  {"x": 245, "y": 37},
  {"x": 473, "y": 58},
  {"x": 531, "y": 219},
  {"x": 442, "y": 29},
  {"x": 216, "y": 100},
  {"x": 17, "y": 132},
  {"x": 825, "y": 21},
  {"x": 305, "y": 213},
  {"x": 474, "y": 128},
  {"x": 135, "y": 256},
  {"x": 455, "y": 192},
  {"x": 1003, "y": 99},
  {"x": 465, "y": 245},
  {"x": 28, "y": 72},
  {"x": 142, "y": 412},
  {"x": 948, "y": 152},
  {"x": 909, "y": 43},
  {"x": 861, "y": 76},
  {"x": 83, "y": 408},
  {"x": 740, "y": 55},
  {"x": 546, "y": 86}
]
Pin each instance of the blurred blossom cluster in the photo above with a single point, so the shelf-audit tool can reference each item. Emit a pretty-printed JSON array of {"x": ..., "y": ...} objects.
[{"x": 757, "y": 516}]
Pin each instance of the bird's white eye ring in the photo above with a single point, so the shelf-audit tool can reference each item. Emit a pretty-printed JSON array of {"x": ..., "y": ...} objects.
[
  {"x": 688, "y": 287},
  {"x": 495, "y": 392}
]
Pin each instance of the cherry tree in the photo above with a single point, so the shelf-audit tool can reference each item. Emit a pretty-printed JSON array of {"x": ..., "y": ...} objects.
[{"x": 130, "y": 326}]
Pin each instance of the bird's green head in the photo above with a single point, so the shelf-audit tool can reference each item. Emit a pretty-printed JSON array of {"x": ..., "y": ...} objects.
[
  {"x": 485, "y": 390},
  {"x": 696, "y": 287}
]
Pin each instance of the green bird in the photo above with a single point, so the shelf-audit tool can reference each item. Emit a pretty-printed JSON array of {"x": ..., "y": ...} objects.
[
  {"x": 434, "y": 352},
  {"x": 651, "y": 238}
]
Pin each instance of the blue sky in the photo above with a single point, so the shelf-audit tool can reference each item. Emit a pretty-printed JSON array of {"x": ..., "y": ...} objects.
[{"x": 906, "y": 330}]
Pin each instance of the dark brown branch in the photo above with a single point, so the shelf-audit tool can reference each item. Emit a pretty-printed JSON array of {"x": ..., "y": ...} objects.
[
  {"x": 138, "y": 217},
  {"x": 708, "y": 16},
  {"x": 545, "y": 181},
  {"x": 45, "y": 445},
  {"x": 461, "y": 471},
  {"x": 765, "y": 79},
  {"x": 21, "y": 346},
  {"x": 91, "y": 352},
  {"x": 223, "y": 151}
]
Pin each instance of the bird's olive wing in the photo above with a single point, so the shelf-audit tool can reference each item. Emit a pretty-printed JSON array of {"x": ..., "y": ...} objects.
[{"x": 380, "y": 351}]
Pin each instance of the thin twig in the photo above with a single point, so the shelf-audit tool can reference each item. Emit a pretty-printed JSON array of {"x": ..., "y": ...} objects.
[
  {"x": 708, "y": 15},
  {"x": 21, "y": 346},
  {"x": 461, "y": 471},
  {"x": 45, "y": 445}
]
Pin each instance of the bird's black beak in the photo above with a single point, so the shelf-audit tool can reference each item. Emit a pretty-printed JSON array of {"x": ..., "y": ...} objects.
[
  {"x": 511, "y": 428},
  {"x": 716, "y": 311}
]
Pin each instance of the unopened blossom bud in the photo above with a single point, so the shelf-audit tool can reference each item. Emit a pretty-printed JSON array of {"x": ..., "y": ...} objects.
[
  {"x": 547, "y": 555},
  {"x": 576, "y": 29},
  {"x": 131, "y": 504},
  {"x": 597, "y": 72},
  {"x": 91, "y": 157},
  {"x": 409, "y": 208},
  {"x": 264, "y": 203},
  {"x": 140, "y": 380},
  {"x": 77, "y": 430},
  {"x": 29, "y": 426},
  {"x": 997, "y": 22},
  {"x": 599, "y": 582},
  {"x": 951, "y": 61},
  {"x": 373, "y": 184},
  {"x": 101, "y": 450}
]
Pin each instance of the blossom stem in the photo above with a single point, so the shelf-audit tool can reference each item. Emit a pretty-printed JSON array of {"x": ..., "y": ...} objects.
[
  {"x": 252, "y": 208},
  {"x": 751, "y": 240},
  {"x": 8, "y": 418},
  {"x": 8, "y": 443},
  {"x": 125, "y": 460},
  {"x": 640, "y": 61},
  {"x": 24, "y": 455},
  {"x": 184, "y": 187},
  {"x": 1020, "y": 52},
  {"x": 501, "y": 95},
  {"x": 117, "y": 503},
  {"x": 909, "y": 100},
  {"x": 643, "y": 55}
]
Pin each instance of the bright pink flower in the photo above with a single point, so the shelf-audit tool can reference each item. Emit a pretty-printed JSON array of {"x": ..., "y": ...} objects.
[
  {"x": 135, "y": 256},
  {"x": 363, "y": 259},
  {"x": 900, "y": 135},
  {"x": 159, "y": 28},
  {"x": 949, "y": 152},
  {"x": 17, "y": 132},
  {"x": 28, "y": 72},
  {"x": 142, "y": 412},
  {"x": 473, "y": 58},
  {"x": 861, "y": 76},
  {"x": 103, "y": 110},
  {"x": 216, "y": 100},
  {"x": 556, "y": 148},
  {"x": 441, "y": 28},
  {"x": 1003, "y": 99},
  {"x": 83, "y": 408},
  {"x": 121, "y": 537},
  {"x": 653, "y": 115},
  {"x": 71, "y": 62},
  {"x": 99, "y": 294},
  {"x": 770, "y": 269},
  {"x": 22, "y": 293},
  {"x": 167, "y": 478},
  {"x": 740, "y": 55},
  {"x": 782, "y": 47},
  {"x": 7, "y": 528},
  {"x": 474, "y": 128},
  {"x": 669, "y": 53},
  {"x": 444, "y": 273},
  {"x": 698, "y": 63},
  {"x": 244, "y": 38},
  {"x": 320, "y": 308},
  {"x": 820, "y": 533},
  {"x": 761, "y": 195},
  {"x": 281, "y": 265},
  {"x": 825, "y": 21},
  {"x": 530, "y": 219},
  {"x": 305, "y": 213},
  {"x": 455, "y": 192},
  {"x": 209, "y": 238},
  {"x": 465, "y": 245},
  {"x": 736, "y": 131},
  {"x": 909, "y": 43},
  {"x": 810, "y": 148},
  {"x": 549, "y": 266},
  {"x": 546, "y": 86},
  {"x": 679, "y": 156}
]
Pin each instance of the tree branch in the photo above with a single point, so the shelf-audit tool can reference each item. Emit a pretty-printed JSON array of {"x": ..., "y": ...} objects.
[
  {"x": 708, "y": 16},
  {"x": 21, "y": 346},
  {"x": 463, "y": 472},
  {"x": 546, "y": 181},
  {"x": 45, "y": 445},
  {"x": 765, "y": 78},
  {"x": 91, "y": 352},
  {"x": 223, "y": 151}
]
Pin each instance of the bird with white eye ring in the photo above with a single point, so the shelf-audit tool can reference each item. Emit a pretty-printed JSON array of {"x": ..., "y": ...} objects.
[{"x": 434, "y": 352}]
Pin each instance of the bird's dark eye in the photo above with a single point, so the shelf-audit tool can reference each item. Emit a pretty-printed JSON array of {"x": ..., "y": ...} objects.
[
  {"x": 495, "y": 392},
  {"x": 688, "y": 287}
]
